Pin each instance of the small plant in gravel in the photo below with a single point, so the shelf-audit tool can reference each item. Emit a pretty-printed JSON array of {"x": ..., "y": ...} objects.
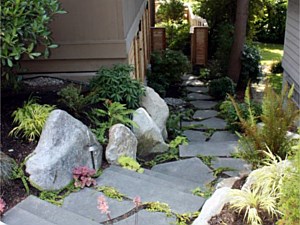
[
  {"x": 83, "y": 176},
  {"x": 186, "y": 218},
  {"x": 206, "y": 159},
  {"x": 111, "y": 192},
  {"x": 103, "y": 207},
  {"x": 130, "y": 164},
  {"x": 18, "y": 173},
  {"x": 7, "y": 164},
  {"x": 206, "y": 193},
  {"x": 159, "y": 207},
  {"x": 220, "y": 87},
  {"x": 30, "y": 119}
]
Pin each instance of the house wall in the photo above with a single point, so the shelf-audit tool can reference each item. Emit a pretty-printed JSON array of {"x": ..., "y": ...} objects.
[
  {"x": 291, "y": 60},
  {"x": 93, "y": 33}
]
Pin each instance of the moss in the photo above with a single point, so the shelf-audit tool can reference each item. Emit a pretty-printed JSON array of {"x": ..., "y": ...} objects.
[{"x": 130, "y": 163}]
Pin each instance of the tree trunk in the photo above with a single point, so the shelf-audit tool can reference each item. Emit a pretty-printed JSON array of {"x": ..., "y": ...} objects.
[{"x": 235, "y": 63}]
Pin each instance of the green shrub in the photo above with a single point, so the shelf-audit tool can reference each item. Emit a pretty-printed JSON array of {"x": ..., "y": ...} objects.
[
  {"x": 7, "y": 165},
  {"x": 170, "y": 11},
  {"x": 279, "y": 114},
  {"x": 289, "y": 203},
  {"x": 219, "y": 88},
  {"x": 24, "y": 25},
  {"x": 30, "y": 119},
  {"x": 251, "y": 68},
  {"x": 167, "y": 67},
  {"x": 117, "y": 85},
  {"x": 277, "y": 67}
]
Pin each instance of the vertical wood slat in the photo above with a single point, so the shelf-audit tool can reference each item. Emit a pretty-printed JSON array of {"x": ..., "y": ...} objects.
[
  {"x": 199, "y": 46},
  {"x": 158, "y": 38}
]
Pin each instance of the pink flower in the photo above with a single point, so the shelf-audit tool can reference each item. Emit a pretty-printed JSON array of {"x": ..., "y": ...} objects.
[
  {"x": 102, "y": 205},
  {"x": 2, "y": 205},
  {"x": 137, "y": 201}
]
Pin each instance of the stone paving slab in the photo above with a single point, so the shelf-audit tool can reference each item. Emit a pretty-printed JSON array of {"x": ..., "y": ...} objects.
[
  {"x": 18, "y": 216},
  {"x": 204, "y": 104},
  {"x": 148, "y": 218},
  {"x": 179, "y": 202},
  {"x": 197, "y": 89},
  {"x": 189, "y": 77},
  {"x": 84, "y": 203},
  {"x": 208, "y": 148},
  {"x": 159, "y": 179},
  {"x": 236, "y": 164},
  {"x": 204, "y": 114},
  {"x": 191, "y": 169},
  {"x": 193, "y": 83},
  {"x": 195, "y": 136},
  {"x": 197, "y": 96},
  {"x": 215, "y": 123},
  {"x": 195, "y": 125},
  {"x": 220, "y": 136}
]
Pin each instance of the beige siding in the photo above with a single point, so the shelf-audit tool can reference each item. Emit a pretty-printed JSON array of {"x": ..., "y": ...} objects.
[{"x": 291, "y": 60}]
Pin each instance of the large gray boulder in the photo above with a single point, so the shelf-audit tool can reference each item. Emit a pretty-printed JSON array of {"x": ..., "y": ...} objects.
[
  {"x": 121, "y": 142},
  {"x": 149, "y": 137},
  {"x": 65, "y": 143},
  {"x": 157, "y": 109}
]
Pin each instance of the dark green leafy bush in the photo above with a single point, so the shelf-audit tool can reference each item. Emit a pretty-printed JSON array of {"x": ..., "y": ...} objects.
[
  {"x": 277, "y": 67},
  {"x": 167, "y": 67},
  {"x": 220, "y": 87},
  {"x": 24, "y": 25},
  {"x": 170, "y": 11},
  {"x": 117, "y": 85},
  {"x": 251, "y": 68}
]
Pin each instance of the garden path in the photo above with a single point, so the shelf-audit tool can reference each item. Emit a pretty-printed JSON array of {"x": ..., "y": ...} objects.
[{"x": 207, "y": 154}]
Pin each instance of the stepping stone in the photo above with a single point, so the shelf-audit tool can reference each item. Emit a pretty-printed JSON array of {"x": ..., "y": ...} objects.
[
  {"x": 215, "y": 123},
  {"x": 197, "y": 125},
  {"x": 197, "y": 96},
  {"x": 204, "y": 104},
  {"x": 193, "y": 83},
  {"x": 190, "y": 169},
  {"x": 204, "y": 114},
  {"x": 236, "y": 164},
  {"x": 195, "y": 136},
  {"x": 84, "y": 203},
  {"x": 197, "y": 89},
  {"x": 148, "y": 218},
  {"x": 208, "y": 149},
  {"x": 175, "y": 102},
  {"x": 189, "y": 77},
  {"x": 35, "y": 207},
  {"x": 179, "y": 202},
  {"x": 220, "y": 136}
]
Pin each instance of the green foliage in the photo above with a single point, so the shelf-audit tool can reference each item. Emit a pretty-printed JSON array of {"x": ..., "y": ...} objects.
[
  {"x": 158, "y": 207},
  {"x": 279, "y": 114},
  {"x": 186, "y": 218},
  {"x": 117, "y": 85},
  {"x": 206, "y": 193},
  {"x": 18, "y": 173},
  {"x": 220, "y": 170},
  {"x": 115, "y": 113},
  {"x": 170, "y": 11},
  {"x": 219, "y": 88},
  {"x": 73, "y": 98},
  {"x": 289, "y": 203},
  {"x": 24, "y": 25},
  {"x": 130, "y": 164},
  {"x": 167, "y": 67},
  {"x": 57, "y": 197},
  {"x": 228, "y": 111},
  {"x": 206, "y": 159},
  {"x": 111, "y": 192},
  {"x": 251, "y": 68},
  {"x": 7, "y": 164},
  {"x": 277, "y": 67},
  {"x": 173, "y": 124},
  {"x": 30, "y": 119},
  {"x": 172, "y": 154}
]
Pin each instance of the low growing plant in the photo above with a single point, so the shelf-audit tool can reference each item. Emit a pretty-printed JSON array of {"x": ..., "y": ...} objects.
[
  {"x": 83, "y": 177},
  {"x": 18, "y": 173},
  {"x": 158, "y": 207},
  {"x": 130, "y": 163},
  {"x": 7, "y": 164},
  {"x": 30, "y": 119},
  {"x": 206, "y": 193},
  {"x": 219, "y": 88},
  {"x": 111, "y": 192},
  {"x": 117, "y": 85}
]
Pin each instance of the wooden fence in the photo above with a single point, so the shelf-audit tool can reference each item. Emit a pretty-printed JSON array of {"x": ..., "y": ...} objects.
[{"x": 158, "y": 38}]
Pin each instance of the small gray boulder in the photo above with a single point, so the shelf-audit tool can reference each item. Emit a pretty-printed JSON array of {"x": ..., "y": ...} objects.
[
  {"x": 149, "y": 137},
  {"x": 64, "y": 144},
  {"x": 157, "y": 109},
  {"x": 121, "y": 142}
]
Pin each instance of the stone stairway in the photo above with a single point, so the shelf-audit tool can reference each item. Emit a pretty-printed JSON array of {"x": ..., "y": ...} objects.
[{"x": 171, "y": 183}]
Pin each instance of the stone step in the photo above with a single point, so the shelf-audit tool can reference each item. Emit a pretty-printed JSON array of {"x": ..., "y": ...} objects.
[
  {"x": 204, "y": 104},
  {"x": 197, "y": 89},
  {"x": 221, "y": 149},
  {"x": 211, "y": 123},
  {"x": 197, "y": 96},
  {"x": 193, "y": 83},
  {"x": 52, "y": 213},
  {"x": 237, "y": 166},
  {"x": 18, "y": 216},
  {"x": 191, "y": 169},
  {"x": 204, "y": 114},
  {"x": 195, "y": 136},
  {"x": 220, "y": 136},
  {"x": 174, "y": 183},
  {"x": 179, "y": 201},
  {"x": 84, "y": 203}
]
